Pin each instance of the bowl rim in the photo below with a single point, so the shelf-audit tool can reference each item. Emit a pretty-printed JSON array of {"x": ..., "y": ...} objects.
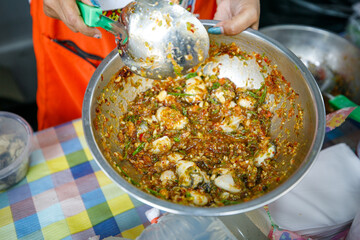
[
  {"x": 204, "y": 211},
  {"x": 20, "y": 159},
  {"x": 300, "y": 27}
]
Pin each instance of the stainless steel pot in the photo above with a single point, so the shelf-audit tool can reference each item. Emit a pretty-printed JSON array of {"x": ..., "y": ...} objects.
[
  {"x": 310, "y": 139},
  {"x": 322, "y": 48}
]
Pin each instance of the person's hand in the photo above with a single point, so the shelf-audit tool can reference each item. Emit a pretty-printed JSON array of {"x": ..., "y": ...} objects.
[
  {"x": 236, "y": 16},
  {"x": 68, "y": 12}
]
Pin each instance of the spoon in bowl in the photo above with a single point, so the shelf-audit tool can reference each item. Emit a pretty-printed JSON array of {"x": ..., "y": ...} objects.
[{"x": 156, "y": 39}]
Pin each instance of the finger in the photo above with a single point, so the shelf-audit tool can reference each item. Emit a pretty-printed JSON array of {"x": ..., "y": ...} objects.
[
  {"x": 51, "y": 8},
  {"x": 87, "y": 2},
  {"x": 73, "y": 19},
  {"x": 240, "y": 22},
  {"x": 222, "y": 13},
  {"x": 50, "y": 12},
  {"x": 255, "y": 25}
]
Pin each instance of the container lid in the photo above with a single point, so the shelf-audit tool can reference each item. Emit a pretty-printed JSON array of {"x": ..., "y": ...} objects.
[{"x": 15, "y": 141}]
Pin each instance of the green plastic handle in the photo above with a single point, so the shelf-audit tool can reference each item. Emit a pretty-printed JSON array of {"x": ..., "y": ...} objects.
[
  {"x": 340, "y": 101},
  {"x": 93, "y": 17}
]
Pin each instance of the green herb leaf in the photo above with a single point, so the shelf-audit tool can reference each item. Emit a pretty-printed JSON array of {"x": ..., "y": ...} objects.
[
  {"x": 212, "y": 100},
  {"x": 127, "y": 176},
  {"x": 263, "y": 95},
  {"x": 254, "y": 95},
  {"x": 215, "y": 85},
  {"x": 139, "y": 148},
  {"x": 184, "y": 112},
  {"x": 182, "y": 151},
  {"x": 134, "y": 182},
  {"x": 155, "y": 193},
  {"x": 127, "y": 145},
  {"x": 191, "y": 75},
  {"x": 176, "y": 139},
  {"x": 132, "y": 118},
  {"x": 252, "y": 112},
  {"x": 173, "y": 107}
]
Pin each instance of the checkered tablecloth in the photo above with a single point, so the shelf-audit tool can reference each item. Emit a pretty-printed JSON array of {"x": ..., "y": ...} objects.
[{"x": 65, "y": 195}]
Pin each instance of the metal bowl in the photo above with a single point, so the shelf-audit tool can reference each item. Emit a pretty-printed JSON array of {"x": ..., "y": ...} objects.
[
  {"x": 322, "y": 48},
  {"x": 310, "y": 138}
]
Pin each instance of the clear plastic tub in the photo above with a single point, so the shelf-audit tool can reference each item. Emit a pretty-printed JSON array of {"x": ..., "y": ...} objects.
[{"x": 15, "y": 148}]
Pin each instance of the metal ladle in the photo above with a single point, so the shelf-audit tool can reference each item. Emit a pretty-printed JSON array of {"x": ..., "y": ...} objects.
[{"x": 156, "y": 39}]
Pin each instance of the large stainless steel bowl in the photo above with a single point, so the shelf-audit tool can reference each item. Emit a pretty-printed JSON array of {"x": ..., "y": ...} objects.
[
  {"x": 322, "y": 48},
  {"x": 310, "y": 139}
]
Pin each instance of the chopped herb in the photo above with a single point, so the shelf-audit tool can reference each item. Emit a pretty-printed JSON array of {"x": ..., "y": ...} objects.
[
  {"x": 187, "y": 194},
  {"x": 126, "y": 175},
  {"x": 254, "y": 95},
  {"x": 180, "y": 94},
  {"x": 153, "y": 192},
  {"x": 131, "y": 118},
  {"x": 212, "y": 100},
  {"x": 184, "y": 111},
  {"x": 228, "y": 202},
  {"x": 252, "y": 112},
  {"x": 191, "y": 75},
  {"x": 134, "y": 182},
  {"x": 210, "y": 131},
  {"x": 173, "y": 106},
  {"x": 263, "y": 95},
  {"x": 139, "y": 148},
  {"x": 215, "y": 85},
  {"x": 176, "y": 139},
  {"x": 127, "y": 145},
  {"x": 182, "y": 151}
]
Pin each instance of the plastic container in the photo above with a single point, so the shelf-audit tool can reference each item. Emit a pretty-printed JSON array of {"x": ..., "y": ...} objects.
[
  {"x": 179, "y": 227},
  {"x": 15, "y": 148}
]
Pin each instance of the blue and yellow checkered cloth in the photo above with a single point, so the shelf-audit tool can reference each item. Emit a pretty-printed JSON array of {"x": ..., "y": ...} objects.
[{"x": 65, "y": 195}]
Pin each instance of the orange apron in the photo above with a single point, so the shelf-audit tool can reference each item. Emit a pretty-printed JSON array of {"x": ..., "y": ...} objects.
[{"x": 66, "y": 61}]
